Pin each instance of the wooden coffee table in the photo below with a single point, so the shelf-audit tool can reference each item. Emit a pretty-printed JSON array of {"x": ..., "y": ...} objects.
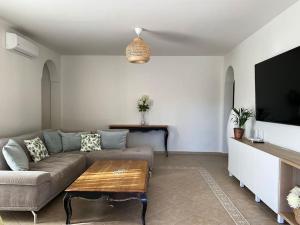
[{"x": 110, "y": 178}]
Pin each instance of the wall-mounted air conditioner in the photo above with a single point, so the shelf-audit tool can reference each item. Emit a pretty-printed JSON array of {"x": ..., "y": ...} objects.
[{"x": 19, "y": 44}]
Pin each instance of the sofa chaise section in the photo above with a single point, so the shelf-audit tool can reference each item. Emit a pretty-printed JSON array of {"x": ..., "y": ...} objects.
[
  {"x": 63, "y": 168},
  {"x": 24, "y": 190}
]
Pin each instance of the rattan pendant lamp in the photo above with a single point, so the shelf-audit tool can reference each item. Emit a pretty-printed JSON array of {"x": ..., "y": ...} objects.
[{"x": 138, "y": 51}]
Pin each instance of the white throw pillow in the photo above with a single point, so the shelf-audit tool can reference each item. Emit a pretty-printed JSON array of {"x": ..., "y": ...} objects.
[
  {"x": 37, "y": 149},
  {"x": 90, "y": 142}
]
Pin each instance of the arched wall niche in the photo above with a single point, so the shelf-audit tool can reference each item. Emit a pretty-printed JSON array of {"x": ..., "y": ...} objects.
[
  {"x": 229, "y": 92},
  {"x": 50, "y": 96}
]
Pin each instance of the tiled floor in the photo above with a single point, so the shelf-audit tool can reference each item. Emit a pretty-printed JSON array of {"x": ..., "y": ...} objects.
[{"x": 178, "y": 195}]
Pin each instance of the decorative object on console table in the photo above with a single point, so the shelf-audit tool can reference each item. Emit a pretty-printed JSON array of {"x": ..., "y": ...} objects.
[
  {"x": 143, "y": 118},
  {"x": 240, "y": 117},
  {"x": 294, "y": 202},
  {"x": 143, "y": 106},
  {"x": 145, "y": 128}
]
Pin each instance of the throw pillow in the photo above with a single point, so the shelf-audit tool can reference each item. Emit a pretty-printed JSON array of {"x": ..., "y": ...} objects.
[
  {"x": 37, "y": 149},
  {"x": 53, "y": 141},
  {"x": 15, "y": 156},
  {"x": 113, "y": 139},
  {"x": 71, "y": 141},
  {"x": 90, "y": 142}
]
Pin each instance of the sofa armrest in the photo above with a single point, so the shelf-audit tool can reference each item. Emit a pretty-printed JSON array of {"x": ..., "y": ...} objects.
[{"x": 24, "y": 177}]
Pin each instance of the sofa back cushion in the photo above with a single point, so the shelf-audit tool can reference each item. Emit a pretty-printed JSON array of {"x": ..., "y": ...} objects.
[
  {"x": 113, "y": 139},
  {"x": 15, "y": 156},
  {"x": 20, "y": 141},
  {"x": 53, "y": 141},
  {"x": 3, "y": 164},
  {"x": 71, "y": 141}
]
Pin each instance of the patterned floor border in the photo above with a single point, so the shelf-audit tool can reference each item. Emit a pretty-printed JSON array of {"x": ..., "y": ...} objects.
[{"x": 225, "y": 201}]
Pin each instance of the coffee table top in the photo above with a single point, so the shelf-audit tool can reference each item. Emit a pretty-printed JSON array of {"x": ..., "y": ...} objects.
[{"x": 113, "y": 176}]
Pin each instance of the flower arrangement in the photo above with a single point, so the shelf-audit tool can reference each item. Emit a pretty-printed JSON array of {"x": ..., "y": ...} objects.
[
  {"x": 143, "y": 106},
  {"x": 144, "y": 103},
  {"x": 294, "y": 198}
]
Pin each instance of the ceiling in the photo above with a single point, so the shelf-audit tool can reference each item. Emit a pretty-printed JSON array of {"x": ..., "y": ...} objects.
[{"x": 174, "y": 27}]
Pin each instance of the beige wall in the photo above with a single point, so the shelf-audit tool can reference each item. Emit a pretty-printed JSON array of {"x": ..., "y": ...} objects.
[
  {"x": 279, "y": 35},
  {"x": 20, "y": 88},
  {"x": 103, "y": 90}
]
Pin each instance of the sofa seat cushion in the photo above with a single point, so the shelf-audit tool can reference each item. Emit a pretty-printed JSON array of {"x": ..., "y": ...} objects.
[
  {"x": 137, "y": 153},
  {"x": 64, "y": 168}
]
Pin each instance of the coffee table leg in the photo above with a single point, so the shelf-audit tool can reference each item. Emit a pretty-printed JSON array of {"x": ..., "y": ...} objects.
[
  {"x": 68, "y": 207},
  {"x": 144, "y": 202}
]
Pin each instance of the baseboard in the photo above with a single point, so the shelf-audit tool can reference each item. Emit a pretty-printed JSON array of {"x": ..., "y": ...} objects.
[{"x": 191, "y": 153}]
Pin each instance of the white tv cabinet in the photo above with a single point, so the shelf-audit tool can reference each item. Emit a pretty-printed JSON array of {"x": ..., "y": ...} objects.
[{"x": 269, "y": 171}]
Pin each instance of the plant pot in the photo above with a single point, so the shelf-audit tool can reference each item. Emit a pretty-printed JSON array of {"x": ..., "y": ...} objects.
[
  {"x": 297, "y": 215},
  {"x": 238, "y": 133}
]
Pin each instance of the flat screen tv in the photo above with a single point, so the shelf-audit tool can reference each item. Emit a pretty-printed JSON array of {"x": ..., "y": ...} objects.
[{"x": 277, "y": 88}]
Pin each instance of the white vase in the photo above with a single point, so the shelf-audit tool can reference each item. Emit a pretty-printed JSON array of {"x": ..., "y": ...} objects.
[{"x": 143, "y": 118}]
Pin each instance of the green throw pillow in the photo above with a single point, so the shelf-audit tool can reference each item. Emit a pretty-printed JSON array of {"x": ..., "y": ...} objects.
[
  {"x": 37, "y": 149},
  {"x": 53, "y": 141},
  {"x": 90, "y": 142},
  {"x": 15, "y": 156},
  {"x": 113, "y": 139}
]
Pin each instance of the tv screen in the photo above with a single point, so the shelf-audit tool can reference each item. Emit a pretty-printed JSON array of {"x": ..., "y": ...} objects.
[{"x": 277, "y": 88}]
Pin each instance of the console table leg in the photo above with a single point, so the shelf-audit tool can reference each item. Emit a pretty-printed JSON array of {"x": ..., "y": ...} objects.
[
  {"x": 144, "y": 202},
  {"x": 166, "y": 142},
  {"x": 68, "y": 208}
]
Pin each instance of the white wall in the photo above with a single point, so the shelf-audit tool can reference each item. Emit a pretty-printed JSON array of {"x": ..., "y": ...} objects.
[
  {"x": 20, "y": 88},
  {"x": 279, "y": 35},
  {"x": 103, "y": 90}
]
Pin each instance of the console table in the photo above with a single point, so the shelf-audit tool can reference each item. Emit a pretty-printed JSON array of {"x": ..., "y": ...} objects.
[{"x": 145, "y": 128}]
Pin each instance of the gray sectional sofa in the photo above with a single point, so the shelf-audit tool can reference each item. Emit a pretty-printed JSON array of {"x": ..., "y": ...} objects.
[{"x": 31, "y": 190}]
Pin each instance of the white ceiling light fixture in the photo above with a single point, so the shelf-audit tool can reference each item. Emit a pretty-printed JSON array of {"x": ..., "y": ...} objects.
[{"x": 138, "y": 51}]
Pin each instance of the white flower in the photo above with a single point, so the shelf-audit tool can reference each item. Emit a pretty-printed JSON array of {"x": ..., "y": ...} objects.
[
  {"x": 296, "y": 190},
  {"x": 144, "y": 103},
  {"x": 294, "y": 198}
]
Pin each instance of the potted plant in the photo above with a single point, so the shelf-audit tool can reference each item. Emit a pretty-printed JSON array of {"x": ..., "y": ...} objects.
[
  {"x": 294, "y": 202},
  {"x": 143, "y": 106},
  {"x": 240, "y": 117}
]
